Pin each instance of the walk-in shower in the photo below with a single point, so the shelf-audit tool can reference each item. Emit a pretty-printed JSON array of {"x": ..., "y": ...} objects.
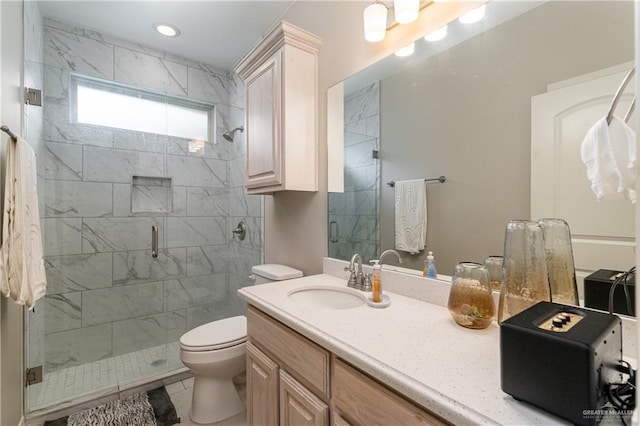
[{"x": 113, "y": 313}]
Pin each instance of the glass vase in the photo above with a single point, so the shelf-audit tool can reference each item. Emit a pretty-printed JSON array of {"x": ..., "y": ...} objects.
[
  {"x": 560, "y": 266},
  {"x": 493, "y": 265},
  {"x": 470, "y": 299},
  {"x": 525, "y": 281}
]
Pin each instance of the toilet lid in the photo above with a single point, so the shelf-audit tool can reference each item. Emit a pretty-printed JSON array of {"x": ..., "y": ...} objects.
[{"x": 216, "y": 335}]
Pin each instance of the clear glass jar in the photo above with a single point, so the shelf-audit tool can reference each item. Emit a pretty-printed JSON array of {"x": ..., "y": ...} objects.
[
  {"x": 470, "y": 299},
  {"x": 493, "y": 265},
  {"x": 560, "y": 266},
  {"x": 525, "y": 280}
]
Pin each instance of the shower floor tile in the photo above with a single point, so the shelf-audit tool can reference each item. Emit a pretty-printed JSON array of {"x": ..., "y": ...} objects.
[{"x": 102, "y": 376}]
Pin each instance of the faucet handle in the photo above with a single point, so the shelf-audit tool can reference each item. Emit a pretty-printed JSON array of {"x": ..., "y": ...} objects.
[
  {"x": 352, "y": 281},
  {"x": 366, "y": 283}
]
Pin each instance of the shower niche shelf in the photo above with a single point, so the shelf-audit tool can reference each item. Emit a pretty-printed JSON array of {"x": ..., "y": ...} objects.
[{"x": 151, "y": 194}]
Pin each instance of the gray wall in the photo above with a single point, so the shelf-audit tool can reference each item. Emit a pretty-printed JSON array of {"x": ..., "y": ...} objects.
[{"x": 465, "y": 113}]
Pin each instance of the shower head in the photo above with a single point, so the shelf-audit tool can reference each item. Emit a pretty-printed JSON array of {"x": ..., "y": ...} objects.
[{"x": 229, "y": 135}]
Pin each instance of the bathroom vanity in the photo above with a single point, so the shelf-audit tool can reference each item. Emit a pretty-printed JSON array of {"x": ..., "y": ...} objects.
[
  {"x": 362, "y": 365},
  {"x": 293, "y": 381}
]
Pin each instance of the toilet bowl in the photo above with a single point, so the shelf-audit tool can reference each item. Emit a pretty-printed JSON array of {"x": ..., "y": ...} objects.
[{"x": 215, "y": 352}]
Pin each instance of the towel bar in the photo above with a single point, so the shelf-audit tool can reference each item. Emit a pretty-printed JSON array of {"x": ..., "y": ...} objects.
[
  {"x": 440, "y": 179},
  {"x": 9, "y": 132}
]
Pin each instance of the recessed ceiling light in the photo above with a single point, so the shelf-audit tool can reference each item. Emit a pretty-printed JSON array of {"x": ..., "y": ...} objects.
[{"x": 166, "y": 29}]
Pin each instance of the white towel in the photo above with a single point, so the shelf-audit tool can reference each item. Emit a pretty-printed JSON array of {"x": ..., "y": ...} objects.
[
  {"x": 411, "y": 215},
  {"x": 609, "y": 152},
  {"x": 22, "y": 273}
]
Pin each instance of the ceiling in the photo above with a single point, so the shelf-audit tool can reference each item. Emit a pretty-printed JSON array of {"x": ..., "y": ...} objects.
[{"x": 218, "y": 33}]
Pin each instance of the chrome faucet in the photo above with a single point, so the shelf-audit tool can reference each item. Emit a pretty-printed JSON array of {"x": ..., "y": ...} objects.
[
  {"x": 357, "y": 279},
  {"x": 386, "y": 252}
]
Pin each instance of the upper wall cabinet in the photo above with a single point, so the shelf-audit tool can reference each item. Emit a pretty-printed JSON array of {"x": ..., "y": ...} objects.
[{"x": 281, "y": 93}]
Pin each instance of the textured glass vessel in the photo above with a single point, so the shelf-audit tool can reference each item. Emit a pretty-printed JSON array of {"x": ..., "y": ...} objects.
[
  {"x": 560, "y": 266},
  {"x": 493, "y": 265},
  {"x": 470, "y": 299},
  {"x": 525, "y": 280}
]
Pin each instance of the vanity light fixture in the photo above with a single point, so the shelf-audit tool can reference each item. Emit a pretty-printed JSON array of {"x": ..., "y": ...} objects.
[
  {"x": 167, "y": 30},
  {"x": 474, "y": 15},
  {"x": 436, "y": 35},
  {"x": 406, "y": 51},
  {"x": 406, "y": 10},
  {"x": 375, "y": 22}
]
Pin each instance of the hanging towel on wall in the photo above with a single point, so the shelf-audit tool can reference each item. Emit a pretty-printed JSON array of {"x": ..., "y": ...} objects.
[
  {"x": 411, "y": 215},
  {"x": 22, "y": 273},
  {"x": 609, "y": 152}
]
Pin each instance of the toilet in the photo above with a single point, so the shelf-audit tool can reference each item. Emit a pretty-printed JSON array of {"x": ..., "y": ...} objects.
[{"x": 215, "y": 353}]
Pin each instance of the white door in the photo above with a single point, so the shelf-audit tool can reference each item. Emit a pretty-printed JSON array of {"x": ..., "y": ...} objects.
[{"x": 603, "y": 233}]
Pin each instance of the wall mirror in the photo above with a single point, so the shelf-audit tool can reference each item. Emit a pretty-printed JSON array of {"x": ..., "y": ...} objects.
[{"x": 500, "y": 108}]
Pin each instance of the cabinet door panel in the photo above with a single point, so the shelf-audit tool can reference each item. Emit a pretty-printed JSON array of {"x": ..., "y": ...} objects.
[
  {"x": 262, "y": 388},
  {"x": 263, "y": 103},
  {"x": 298, "y": 406}
]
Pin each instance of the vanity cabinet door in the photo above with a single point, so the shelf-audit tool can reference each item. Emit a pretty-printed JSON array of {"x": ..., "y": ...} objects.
[
  {"x": 262, "y": 388},
  {"x": 298, "y": 406}
]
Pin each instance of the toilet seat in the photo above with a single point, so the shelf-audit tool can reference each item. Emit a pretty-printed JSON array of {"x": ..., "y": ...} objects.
[{"x": 216, "y": 335}]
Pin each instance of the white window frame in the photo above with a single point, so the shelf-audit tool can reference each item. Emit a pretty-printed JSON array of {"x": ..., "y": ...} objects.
[{"x": 134, "y": 91}]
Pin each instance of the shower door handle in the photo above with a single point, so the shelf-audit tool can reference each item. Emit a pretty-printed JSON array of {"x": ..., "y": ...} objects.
[
  {"x": 154, "y": 241},
  {"x": 333, "y": 231}
]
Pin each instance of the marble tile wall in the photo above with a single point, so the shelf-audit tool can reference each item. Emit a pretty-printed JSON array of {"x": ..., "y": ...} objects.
[
  {"x": 356, "y": 210},
  {"x": 107, "y": 295},
  {"x": 242, "y": 207}
]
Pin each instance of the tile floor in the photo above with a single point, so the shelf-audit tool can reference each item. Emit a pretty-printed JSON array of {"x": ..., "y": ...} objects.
[
  {"x": 66, "y": 384},
  {"x": 180, "y": 393}
]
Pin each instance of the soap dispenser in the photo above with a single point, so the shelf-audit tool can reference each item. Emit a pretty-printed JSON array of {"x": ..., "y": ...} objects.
[
  {"x": 376, "y": 295},
  {"x": 430, "y": 266}
]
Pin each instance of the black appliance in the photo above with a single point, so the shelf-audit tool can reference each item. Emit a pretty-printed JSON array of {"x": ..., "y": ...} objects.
[
  {"x": 596, "y": 291},
  {"x": 560, "y": 358}
]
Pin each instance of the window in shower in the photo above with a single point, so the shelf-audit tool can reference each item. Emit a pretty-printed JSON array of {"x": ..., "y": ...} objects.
[{"x": 106, "y": 103}]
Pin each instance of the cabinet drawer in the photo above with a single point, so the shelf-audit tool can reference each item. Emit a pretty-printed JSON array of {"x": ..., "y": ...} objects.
[
  {"x": 305, "y": 360},
  {"x": 366, "y": 402}
]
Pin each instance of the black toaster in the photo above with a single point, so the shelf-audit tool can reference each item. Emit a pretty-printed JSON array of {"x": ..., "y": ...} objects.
[{"x": 560, "y": 358}]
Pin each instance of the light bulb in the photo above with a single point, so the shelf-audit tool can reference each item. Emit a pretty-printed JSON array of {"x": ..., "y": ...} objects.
[
  {"x": 166, "y": 29},
  {"x": 406, "y": 10},
  {"x": 406, "y": 51},
  {"x": 436, "y": 35},
  {"x": 375, "y": 22},
  {"x": 474, "y": 15}
]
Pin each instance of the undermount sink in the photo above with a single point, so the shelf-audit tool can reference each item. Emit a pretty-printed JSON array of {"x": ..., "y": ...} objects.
[{"x": 327, "y": 297}]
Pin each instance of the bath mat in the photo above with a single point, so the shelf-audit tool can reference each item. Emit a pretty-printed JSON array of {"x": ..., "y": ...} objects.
[{"x": 153, "y": 408}]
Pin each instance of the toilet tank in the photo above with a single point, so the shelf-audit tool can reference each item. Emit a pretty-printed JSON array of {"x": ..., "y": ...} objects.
[{"x": 272, "y": 272}]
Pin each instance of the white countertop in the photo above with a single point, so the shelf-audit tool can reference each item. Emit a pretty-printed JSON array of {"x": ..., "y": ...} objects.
[{"x": 413, "y": 347}]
